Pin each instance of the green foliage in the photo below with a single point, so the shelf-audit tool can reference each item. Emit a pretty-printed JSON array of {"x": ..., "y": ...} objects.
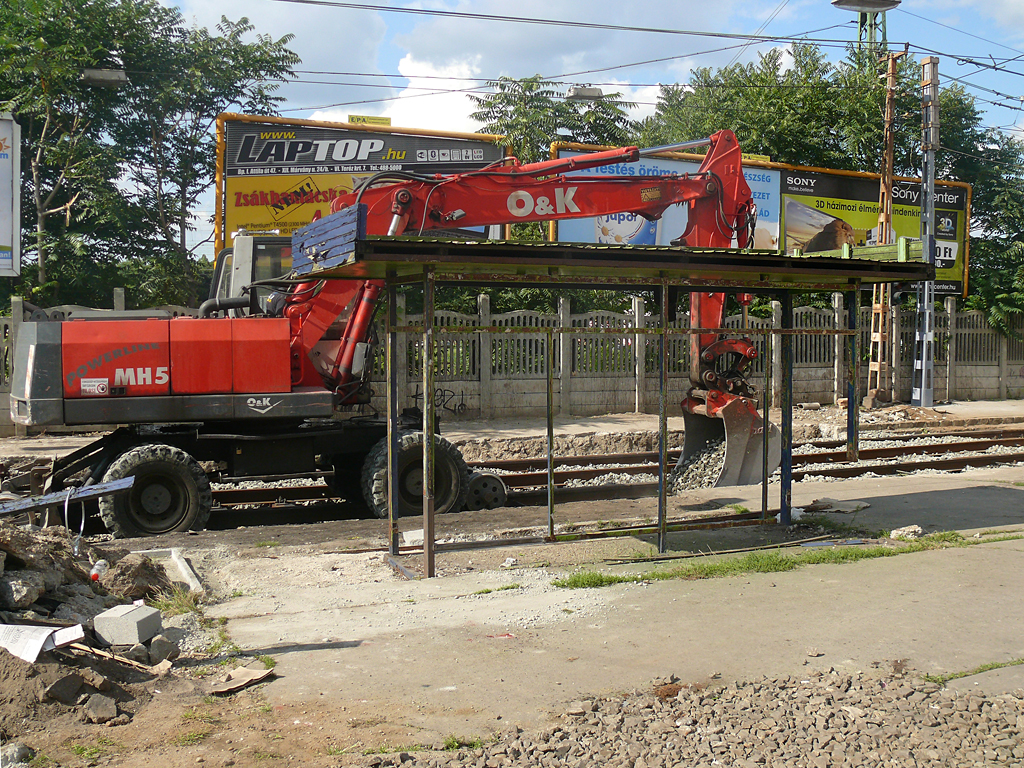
[
  {"x": 531, "y": 114},
  {"x": 112, "y": 175},
  {"x": 1001, "y": 300}
]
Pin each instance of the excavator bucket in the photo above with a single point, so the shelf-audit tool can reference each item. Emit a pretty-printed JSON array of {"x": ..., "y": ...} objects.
[{"x": 742, "y": 428}]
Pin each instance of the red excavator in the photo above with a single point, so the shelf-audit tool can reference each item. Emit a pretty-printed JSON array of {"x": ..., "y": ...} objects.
[{"x": 270, "y": 388}]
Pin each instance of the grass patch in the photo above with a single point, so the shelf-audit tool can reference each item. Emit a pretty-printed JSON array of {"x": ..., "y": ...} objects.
[
  {"x": 268, "y": 661},
  {"x": 177, "y": 601},
  {"x": 334, "y": 751},
  {"x": 385, "y": 749},
  {"x": 223, "y": 644},
  {"x": 767, "y": 561},
  {"x": 943, "y": 679},
  {"x": 88, "y": 751},
  {"x": 195, "y": 716},
  {"x": 453, "y": 742},
  {"x": 267, "y": 544},
  {"x": 513, "y": 585},
  {"x": 41, "y": 761},
  {"x": 191, "y": 738},
  {"x": 482, "y": 592},
  {"x": 259, "y": 754}
]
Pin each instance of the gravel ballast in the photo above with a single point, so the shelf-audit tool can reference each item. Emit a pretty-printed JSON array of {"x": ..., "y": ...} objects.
[{"x": 823, "y": 720}]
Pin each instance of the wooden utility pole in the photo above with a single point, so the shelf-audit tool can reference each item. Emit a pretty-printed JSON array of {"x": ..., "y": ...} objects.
[{"x": 880, "y": 372}]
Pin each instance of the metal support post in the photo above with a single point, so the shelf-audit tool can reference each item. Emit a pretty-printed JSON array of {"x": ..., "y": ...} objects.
[
  {"x": 551, "y": 433},
  {"x": 428, "y": 422},
  {"x": 663, "y": 423},
  {"x": 393, "y": 432},
  {"x": 924, "y": 338},
  {"x": 786, "y": 469},
  {"x": 852, "y": 375}
]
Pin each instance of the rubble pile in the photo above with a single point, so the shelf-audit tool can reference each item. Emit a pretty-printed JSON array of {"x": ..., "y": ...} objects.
[
  {"x": 42, "y": 572},
  {"x": 824, "y": 719},
  {"x": 53, "y": 658}
]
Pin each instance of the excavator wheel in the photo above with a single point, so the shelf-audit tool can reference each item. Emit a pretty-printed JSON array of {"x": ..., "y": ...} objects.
[
  {"x": 171, "y": 493},
  {"x": 451, "y": 476}
]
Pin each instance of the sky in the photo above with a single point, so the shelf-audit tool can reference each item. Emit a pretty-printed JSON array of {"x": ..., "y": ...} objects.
[{"x": 418, "y": 61}]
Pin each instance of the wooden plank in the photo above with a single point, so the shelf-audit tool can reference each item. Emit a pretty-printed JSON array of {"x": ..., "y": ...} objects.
[{"x": 72, "y": 494}]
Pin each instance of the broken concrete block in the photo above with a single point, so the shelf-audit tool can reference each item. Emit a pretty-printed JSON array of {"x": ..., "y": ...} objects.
[
  {"x": 94, "y": 679},
  {"x": 127, "y": 624},
  {"x": 907, "y": 532},
  {"x": 65, "y": 690},
  {"x": 161, "y": 648},
  {"x": 99, "y": 709},
  {"x": 19, "y": 589},
  {"x": 136, "y": 576},
  {"x": 14, "y": 753}
]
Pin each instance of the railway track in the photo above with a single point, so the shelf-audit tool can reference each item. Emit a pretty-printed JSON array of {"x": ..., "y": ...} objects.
[{"x": 527, "y": 479}]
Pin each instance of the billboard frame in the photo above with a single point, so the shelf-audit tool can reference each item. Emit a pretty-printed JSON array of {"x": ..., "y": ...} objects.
[
  {"x": 15, "y": 192},
  {"x": 559, "y": 146},
  {"x": 220, "y": 203}
]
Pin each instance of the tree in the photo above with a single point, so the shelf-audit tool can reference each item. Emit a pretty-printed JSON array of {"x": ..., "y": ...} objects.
[
  {"x": 812, "y": 112},
  {"x": 113, "y": 176}
]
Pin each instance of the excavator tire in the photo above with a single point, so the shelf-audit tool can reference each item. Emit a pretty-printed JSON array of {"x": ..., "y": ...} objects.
[
  {"x": 451, "y": 476},
  {"x": 171, "y": 493}
]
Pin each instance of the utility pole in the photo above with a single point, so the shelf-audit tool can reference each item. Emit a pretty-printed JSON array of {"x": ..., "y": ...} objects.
[
  {"x": 924, "y": 338},
  {"x": 880, "y": 373}
]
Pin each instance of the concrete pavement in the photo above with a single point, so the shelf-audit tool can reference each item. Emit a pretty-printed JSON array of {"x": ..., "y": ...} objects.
[{"x": 444, "y": 669}]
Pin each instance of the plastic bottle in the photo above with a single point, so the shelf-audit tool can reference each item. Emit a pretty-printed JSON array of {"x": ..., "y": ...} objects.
[{"x": 100, "y": 568}]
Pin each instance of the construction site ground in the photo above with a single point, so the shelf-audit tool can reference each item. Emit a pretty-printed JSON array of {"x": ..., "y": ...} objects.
[{"x": 365, "y": 659}]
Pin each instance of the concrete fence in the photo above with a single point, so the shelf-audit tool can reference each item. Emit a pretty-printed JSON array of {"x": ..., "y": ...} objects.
[{"x": 596, "y": 369}]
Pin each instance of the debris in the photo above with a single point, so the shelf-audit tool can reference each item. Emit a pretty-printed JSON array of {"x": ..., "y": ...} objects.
[
  {"x": 64, "y": 689},
  {"x": 811, "y": 406},
  {"x": 20, "y": 589},
  {"x": 99, "y": 709},
  {"x": 835, "y": 505},
  {"x": 509, "y": 562},
  {"x": 135, "y": 576},
  {"x": 107, "y": 655},
  {"x": 160, "y": 648},
  {"x": 239, "y": 678},
  {"x": 27, "y": 641},
  {"x": 814, "y": 653},
  {"x": 162, "y": 668},
  {"x": 127, "y": 624},
  {"x": 14, "y": 753},
  {"x": 907, "y": 532}
]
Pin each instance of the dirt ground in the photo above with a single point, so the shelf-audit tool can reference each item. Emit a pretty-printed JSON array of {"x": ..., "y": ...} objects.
[{"x": 253, "y": 563}]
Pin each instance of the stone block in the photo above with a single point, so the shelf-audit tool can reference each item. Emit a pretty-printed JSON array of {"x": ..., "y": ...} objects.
[
  {"x": 161, "y": 648},
  {"x": 127, "y": 624},
  {"x": 99, "y": 709}
]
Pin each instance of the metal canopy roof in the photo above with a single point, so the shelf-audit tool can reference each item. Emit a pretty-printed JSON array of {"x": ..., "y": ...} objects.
[{"x": 575, "y": 263}]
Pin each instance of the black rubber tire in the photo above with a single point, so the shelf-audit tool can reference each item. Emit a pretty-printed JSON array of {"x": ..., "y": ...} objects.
[
  {"x": 171, "y": 493},
  {"x": 451, "y": 476}
]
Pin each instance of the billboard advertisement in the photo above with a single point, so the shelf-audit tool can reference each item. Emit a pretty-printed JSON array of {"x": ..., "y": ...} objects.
[
  {"x": 10, "y": 197},
  {"x": 276, "y": 174},
  {"x": 823, "y": 211},
  {"x": 630, "y": 229}
]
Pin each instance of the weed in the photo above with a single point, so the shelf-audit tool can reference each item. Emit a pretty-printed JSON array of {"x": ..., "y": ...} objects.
[
  {"x": 483, "y": 592},
  {"x": 266, "y": 544},
  {"x": 453, "y": 742},
  {"x": 943, "y": 679},
  {"x": 513, "y": 585},
  {"x": 268, "y": 661},
  {"x": 767, "y": 561},
  {"x": 259, "y": 754},
  {"x": 105, "y": 741},
  {"x": 829, "y": 525},
  {"x": 89, "y": 752},
  {"x": 195, "y": 716},
  {"x": 739, "y": 509},
  {"x": 264, "y": 709},
  {"x": 190, "y": 738},
  {"x": 177, "y": 601},
  {"x": 335, "y": 751},
  {"x": 236, "y": 593},
  {"x": 223, "y": 644},
  {"x": 384, "y": 749},
  {"x": 41, "y": 761}
]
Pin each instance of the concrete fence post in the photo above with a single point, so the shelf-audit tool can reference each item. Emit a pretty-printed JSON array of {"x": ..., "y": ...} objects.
[
  {"x": 483, "y": 308},
  {"x": 777, "y": 357},
  {"x": 119, "y": 299},
  {"x": 838, "y": 366},
  {"x": 640, "y": 354},
  {"x": 895, "y": 349},
  {"x": 401, "y": 372},
  {"x": 1004, "y": 352},
  {"x": 565, "y": 347},
  {"x": 951, "y": 348}
]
